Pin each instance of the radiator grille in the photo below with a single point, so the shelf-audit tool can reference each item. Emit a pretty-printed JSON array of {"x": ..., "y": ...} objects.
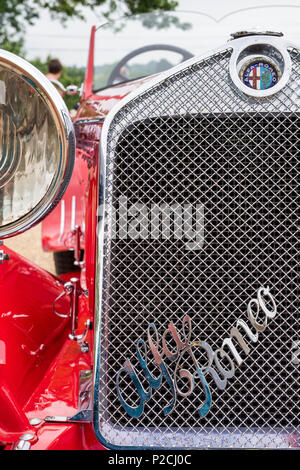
[{"x": 189, "y": 143}]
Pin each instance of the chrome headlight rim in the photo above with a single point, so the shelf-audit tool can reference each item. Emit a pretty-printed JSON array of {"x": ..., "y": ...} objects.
[{"x": 60, "y": 114}]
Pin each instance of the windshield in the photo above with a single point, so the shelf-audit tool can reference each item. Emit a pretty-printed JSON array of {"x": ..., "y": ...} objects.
[{"x": 142, "y": 45}]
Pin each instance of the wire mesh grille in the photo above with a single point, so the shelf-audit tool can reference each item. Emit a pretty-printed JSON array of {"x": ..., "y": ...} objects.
[{"x": 196, "y": 142}]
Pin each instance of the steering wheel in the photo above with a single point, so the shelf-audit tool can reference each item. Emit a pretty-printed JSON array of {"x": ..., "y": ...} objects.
[{"x": 116, "y": 74}]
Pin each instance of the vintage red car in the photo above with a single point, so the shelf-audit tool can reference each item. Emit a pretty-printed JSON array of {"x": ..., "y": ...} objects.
[{"x": 170, "y": 204}]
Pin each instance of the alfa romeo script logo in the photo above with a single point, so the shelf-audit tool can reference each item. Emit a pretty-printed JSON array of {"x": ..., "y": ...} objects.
[{"x": 260, "y": 310}]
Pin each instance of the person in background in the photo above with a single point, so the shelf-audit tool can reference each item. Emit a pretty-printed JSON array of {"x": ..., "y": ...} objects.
[{"x": 54, "y": 73}]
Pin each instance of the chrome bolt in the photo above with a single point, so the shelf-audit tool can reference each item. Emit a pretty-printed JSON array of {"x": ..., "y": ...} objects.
[
  {"x": 3, "y": 256},
  {"x": 26, "y": 437},
  {"x": 84, "y": 347},
  {"x": 35, "y": 421}
]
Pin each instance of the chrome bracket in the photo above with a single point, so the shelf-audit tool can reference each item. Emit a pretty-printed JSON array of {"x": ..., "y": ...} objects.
[
  {"x": 3, "y": 256},
  {"x": 74, "y": 290},
  {"x": 23, "y": 443},
  {"x": 73, "y": 243},
  {"x": 84, "y": 414},
  {"x": 82, "y": 417},
  {"x": 77, "y": 233}
]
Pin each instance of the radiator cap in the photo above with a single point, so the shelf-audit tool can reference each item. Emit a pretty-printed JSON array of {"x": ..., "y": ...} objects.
[
  {"x": 242, "y": 34},
  {"x": 260, "y": 66}
]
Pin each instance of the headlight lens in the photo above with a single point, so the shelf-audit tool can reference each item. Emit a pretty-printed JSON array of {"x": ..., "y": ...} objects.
[{"x": 36, "y": 145}]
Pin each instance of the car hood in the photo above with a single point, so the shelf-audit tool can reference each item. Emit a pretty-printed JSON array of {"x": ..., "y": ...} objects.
[{"x": 99, "y": 104}]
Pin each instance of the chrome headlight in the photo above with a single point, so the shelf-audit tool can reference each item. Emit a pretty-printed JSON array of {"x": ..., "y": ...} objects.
[{"x": 37, "y": 145}]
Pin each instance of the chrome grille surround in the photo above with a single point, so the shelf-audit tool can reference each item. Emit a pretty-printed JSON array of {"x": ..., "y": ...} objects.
[{"x": 259, "y": 406}]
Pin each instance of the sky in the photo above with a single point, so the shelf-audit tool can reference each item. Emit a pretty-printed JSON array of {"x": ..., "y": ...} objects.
[{"x": 219, "y": 18}]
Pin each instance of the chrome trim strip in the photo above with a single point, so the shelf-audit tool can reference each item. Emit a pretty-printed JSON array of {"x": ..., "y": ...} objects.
[
  {"x": 89, "y": 121},
  {"x": 73, "y": 216},
  {"x": 62, "y": 220}
]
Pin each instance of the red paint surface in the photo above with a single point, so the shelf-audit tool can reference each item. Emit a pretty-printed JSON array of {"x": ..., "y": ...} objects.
[
  {"x": 98, "y": 105},
  {"x": 52, "y": 237},
  {"x": 39, "y": 365},
  {"x": 30, "y": 336}
]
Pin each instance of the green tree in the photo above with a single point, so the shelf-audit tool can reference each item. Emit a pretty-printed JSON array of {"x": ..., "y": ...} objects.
[{"x": 15, "y": 15}]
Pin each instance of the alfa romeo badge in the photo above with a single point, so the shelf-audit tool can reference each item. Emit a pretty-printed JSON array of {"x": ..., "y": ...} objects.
[{"x": 260, "y": 74}]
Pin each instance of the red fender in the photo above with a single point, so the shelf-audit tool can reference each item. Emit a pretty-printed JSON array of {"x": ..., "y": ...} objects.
[{"x": 30, "y": 337}]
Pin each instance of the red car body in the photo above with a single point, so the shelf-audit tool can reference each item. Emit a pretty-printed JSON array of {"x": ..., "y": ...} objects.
[{"x": 40, "y": 367}]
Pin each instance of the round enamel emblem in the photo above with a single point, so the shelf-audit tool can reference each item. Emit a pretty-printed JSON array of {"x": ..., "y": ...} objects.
[
  {"x": 260, "y": 66},
  {"x": 260, "y": 75}
]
